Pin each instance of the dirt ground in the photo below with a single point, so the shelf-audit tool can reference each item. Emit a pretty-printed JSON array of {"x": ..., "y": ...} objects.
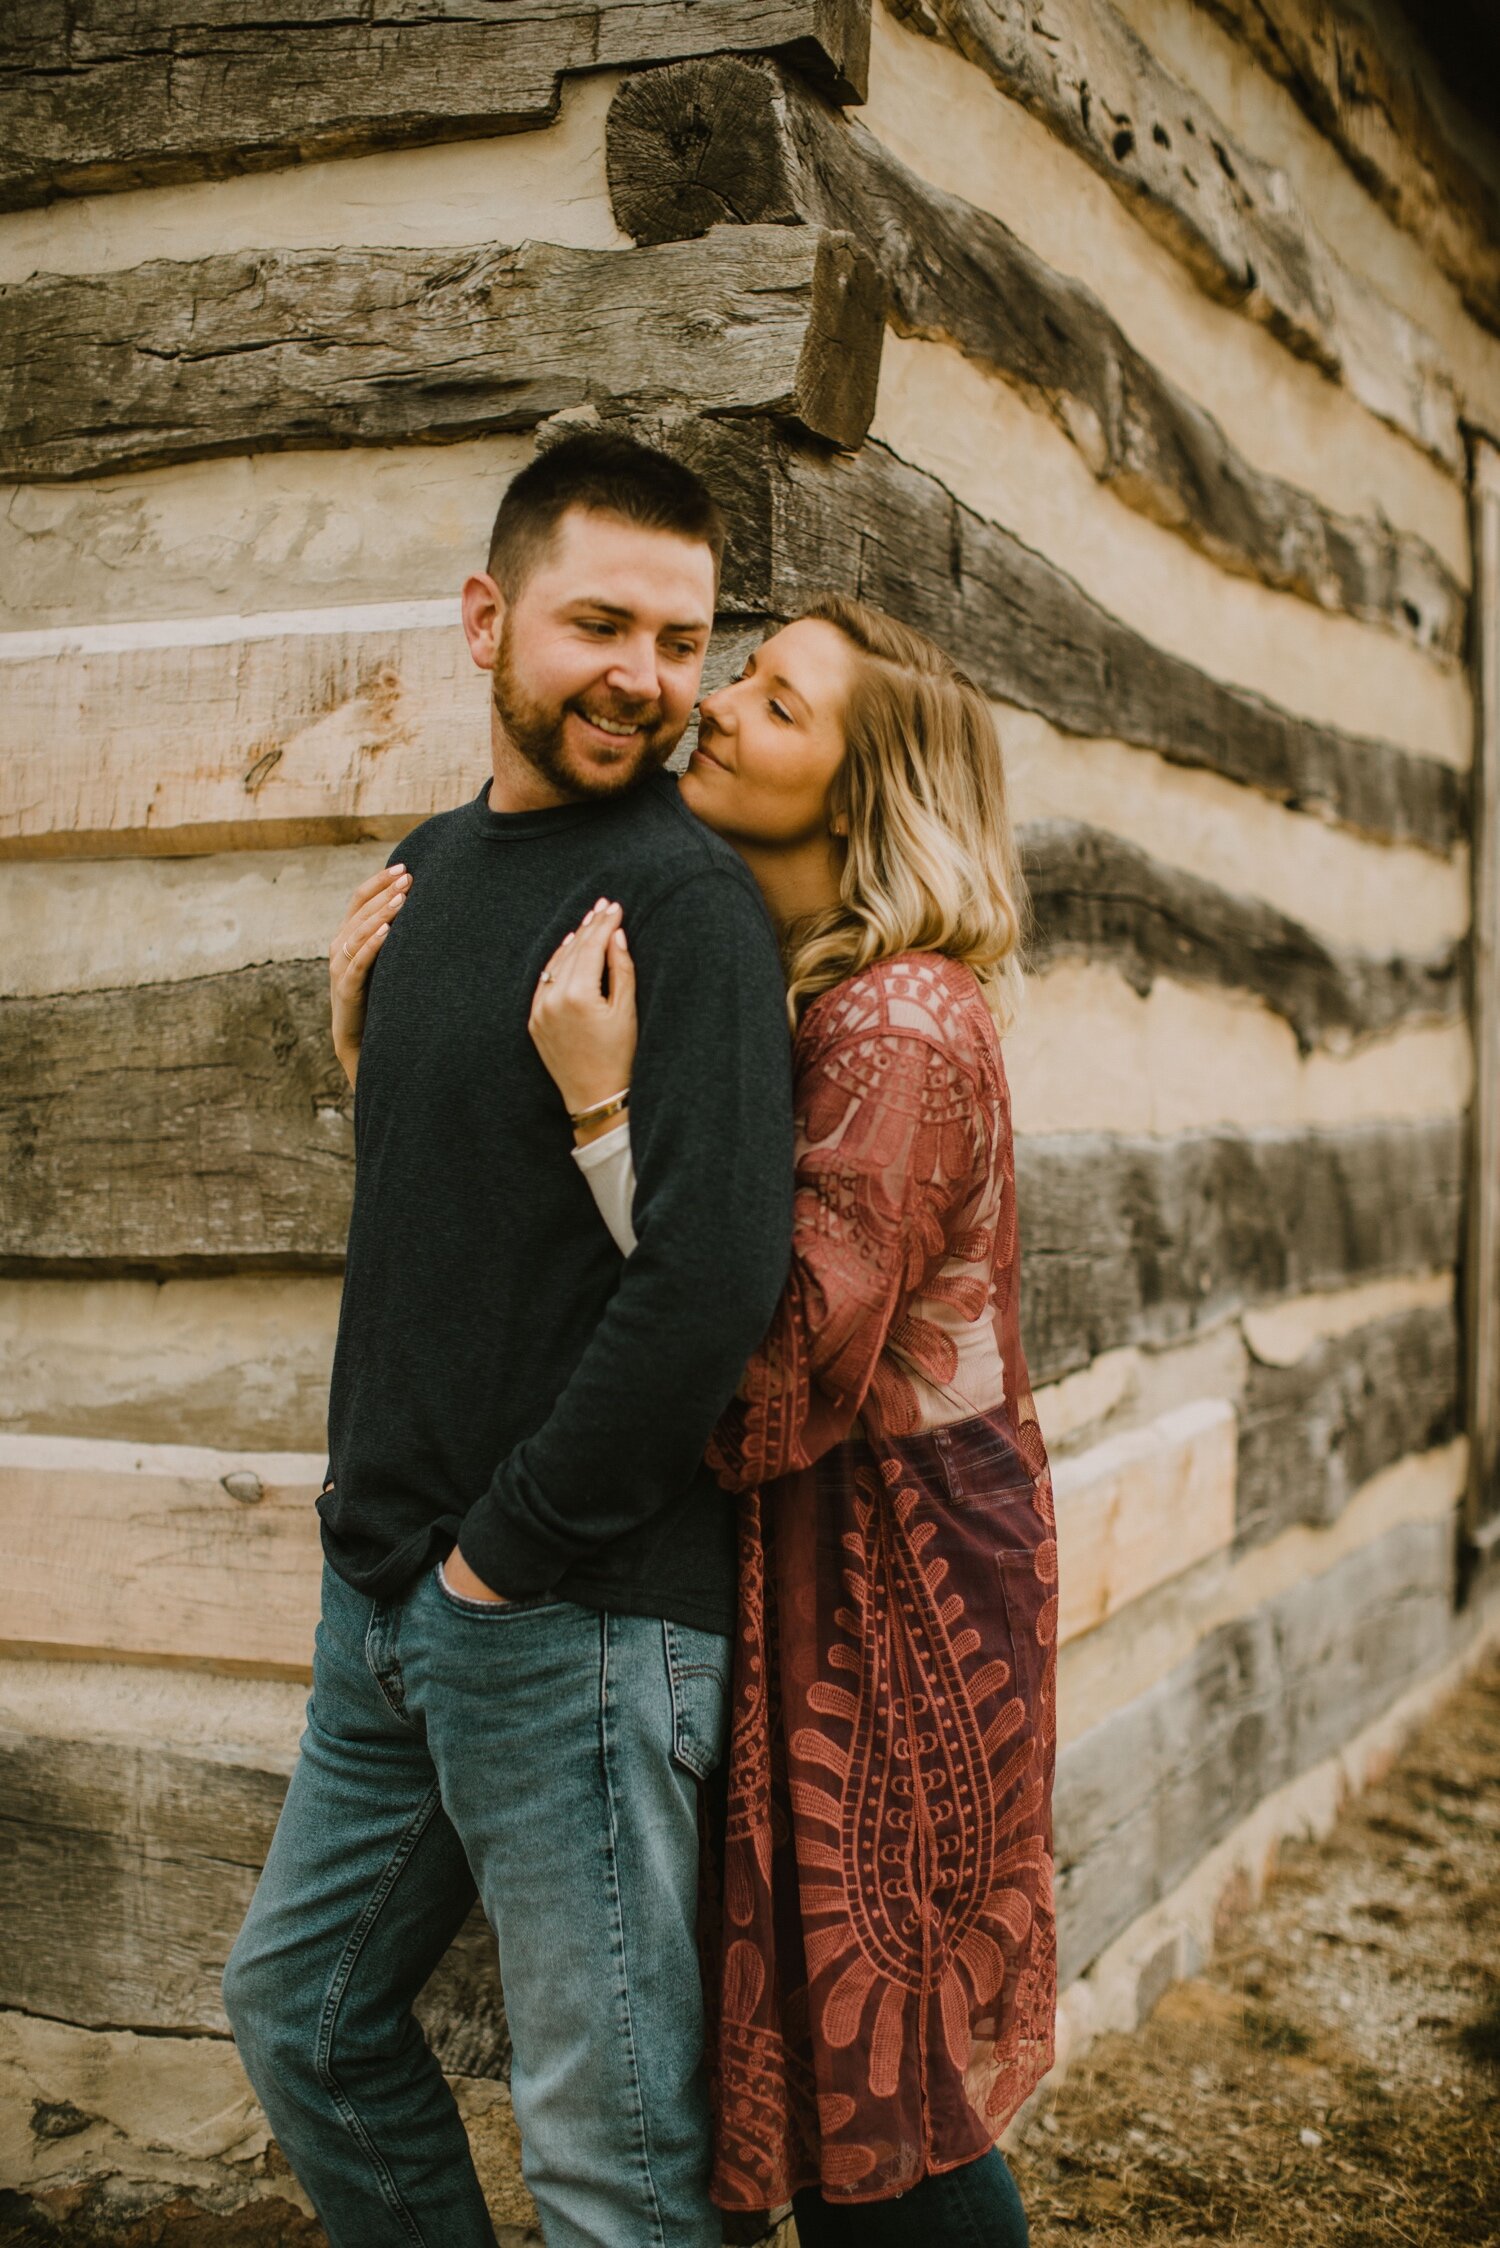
[{"x": 1334, "y": 2075}]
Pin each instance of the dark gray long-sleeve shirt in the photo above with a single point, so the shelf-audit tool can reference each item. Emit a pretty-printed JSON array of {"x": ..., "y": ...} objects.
[{"x": 500, "y": 1371}]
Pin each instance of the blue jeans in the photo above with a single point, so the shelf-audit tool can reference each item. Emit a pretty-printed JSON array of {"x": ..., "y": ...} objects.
[{"x": 551, "y": 1757}]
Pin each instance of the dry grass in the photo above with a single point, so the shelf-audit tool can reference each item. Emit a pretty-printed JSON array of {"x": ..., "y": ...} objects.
[{"x": 1334, "y": 2076}]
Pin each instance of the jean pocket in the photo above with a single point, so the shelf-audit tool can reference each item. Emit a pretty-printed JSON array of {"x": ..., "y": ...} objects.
[
  {"x": 489, "y": 1610},
  {"x": 698, "y": 1668}
]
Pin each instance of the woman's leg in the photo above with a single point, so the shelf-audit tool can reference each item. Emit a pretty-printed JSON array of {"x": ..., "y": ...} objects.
[{"x": 973, "y": 2207}]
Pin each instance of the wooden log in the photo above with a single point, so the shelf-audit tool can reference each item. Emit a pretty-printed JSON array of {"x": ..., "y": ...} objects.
[
  {"x": 1136, "y": 1510},
  {"x": 160, "y": 1551},
  {"x": 1083, "y": 72},
  {"x": 1313, "y": 1432},
  {"x": 1148, "y": 1241},
  {"x": 1100, "y": 897},
  {"x": 219, "y": 1117},
  {"x": 695, "y": 144},
  {"x": 1144, "y": 1795},
  {"x": 129, "y": 1869},
  {"x": 294, "y": 349},
  {"x": 1028, "y": 634},
  {"x": 1367, "y": 97},
  {"x": 245, "y": 733},
  {"x": 108, "y": 95}
]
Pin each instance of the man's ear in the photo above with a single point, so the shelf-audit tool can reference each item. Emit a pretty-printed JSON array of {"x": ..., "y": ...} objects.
[{"x": 483, "y": 614}]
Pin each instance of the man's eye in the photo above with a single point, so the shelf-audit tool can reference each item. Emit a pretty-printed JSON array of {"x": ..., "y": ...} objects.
[
  {"x": 598, "y": 625},
  {"x": 683, "y": 652}
]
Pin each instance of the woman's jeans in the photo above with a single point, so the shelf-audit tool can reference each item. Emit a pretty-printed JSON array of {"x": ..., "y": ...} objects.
[
  {"x": 551, "y": 1756},
  {"x": 976, "y": 2206}
]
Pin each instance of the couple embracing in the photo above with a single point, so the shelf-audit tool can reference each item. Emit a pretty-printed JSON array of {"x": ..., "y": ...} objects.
[{"x": 690, "y": 1574}]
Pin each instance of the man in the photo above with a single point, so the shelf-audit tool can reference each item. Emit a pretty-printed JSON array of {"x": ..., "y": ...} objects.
[{"x": 522, "y": 1666}]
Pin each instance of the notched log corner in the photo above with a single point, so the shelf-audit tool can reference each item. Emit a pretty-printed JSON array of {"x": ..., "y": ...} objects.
[{"x": 728, "y": 140}]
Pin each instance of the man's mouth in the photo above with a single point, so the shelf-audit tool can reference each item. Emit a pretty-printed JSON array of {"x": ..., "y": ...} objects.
[{"x": 613, "y": 729}]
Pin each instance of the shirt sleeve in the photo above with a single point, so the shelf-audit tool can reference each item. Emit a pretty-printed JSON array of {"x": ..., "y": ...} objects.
[
  {"x": 890, "y": 1129},
  {"x": 711, "y": 1131},
  {"x": 608, "y": 1167}
]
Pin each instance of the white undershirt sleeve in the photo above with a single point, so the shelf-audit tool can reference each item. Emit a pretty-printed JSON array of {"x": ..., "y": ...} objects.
[{"x": 608, "y": 1164}]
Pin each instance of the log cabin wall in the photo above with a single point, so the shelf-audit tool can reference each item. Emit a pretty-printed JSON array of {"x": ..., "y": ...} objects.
[{"x": 1109, "y": 344}]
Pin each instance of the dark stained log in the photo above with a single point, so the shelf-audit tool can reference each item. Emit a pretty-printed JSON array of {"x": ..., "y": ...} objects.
[
  {"x": 109, "y": 94},
  {"x": 186, "y": 1126},
  {"x": 1142, "y": 1797},
  {"x": 1227, "y": 216},
  {"x": 696, "y": 144},
  {"x": 1313, "y": 1432},
  {"x": 1028, "y": 633},
  {"x": 128, "y": 1872},
  {"x": 1147, "y": 1240},
  {"x": 1096, "y": 895},
  {"x": 264, "y": 351},
  {"x": 202, "y": 1126},
  {"x": 1362, "y": 86}
]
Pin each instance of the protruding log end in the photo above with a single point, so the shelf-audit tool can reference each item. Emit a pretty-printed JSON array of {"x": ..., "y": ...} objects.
[
  {"x": 701, "y": 144},
  {"x": 839, "y": 370}
]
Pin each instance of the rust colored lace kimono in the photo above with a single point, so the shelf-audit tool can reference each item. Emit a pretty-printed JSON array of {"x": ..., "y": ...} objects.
[{"x": 887, "y": 1970}]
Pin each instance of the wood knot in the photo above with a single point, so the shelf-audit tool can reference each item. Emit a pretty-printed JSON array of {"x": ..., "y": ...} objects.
[{"x": 244, "y": 1484}]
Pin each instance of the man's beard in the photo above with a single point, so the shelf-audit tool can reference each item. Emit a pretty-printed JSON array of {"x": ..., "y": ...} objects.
[{"x": 536, "y": 730}]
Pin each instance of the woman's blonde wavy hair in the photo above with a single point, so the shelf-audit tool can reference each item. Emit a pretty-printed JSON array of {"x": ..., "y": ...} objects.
[{"x": 932, "y": 863}]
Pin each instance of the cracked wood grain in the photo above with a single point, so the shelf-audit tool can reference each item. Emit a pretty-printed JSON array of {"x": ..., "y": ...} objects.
[
  {"x": 108, "y": 94},
  {"x": 1362, "y": 87},
  {"x": 289, "y": 349}
]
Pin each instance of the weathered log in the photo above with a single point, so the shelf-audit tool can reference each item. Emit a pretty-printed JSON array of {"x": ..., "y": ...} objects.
[
  {"x": 1083, "y": 72},
  {"x": 295, "y": 348},
  {"x": 696, "y": 144},
  {"x": 203, "y": 1126},
  {"x": 160, "y": 1551},
  {"x": 1147, "y": 1241},
  {"x": 1145, "y": 1794},
  {"x": 1365, "y": 96},
  {"x": 128, "y": 1872},
  {"x": 111, "y": 95},
  {"x": 1136, "y": 1510},
  {"x": 1311, "y": 1433},
  {"x": 186, "y": 1126},
  {"x": 1028, "y": 633},
  {"x": 1098, "y": 896},
  {"x": 246, "y": 733}
]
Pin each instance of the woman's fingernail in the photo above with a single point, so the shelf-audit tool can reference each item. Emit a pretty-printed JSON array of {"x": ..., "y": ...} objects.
[{"x": 568, "y": 939}]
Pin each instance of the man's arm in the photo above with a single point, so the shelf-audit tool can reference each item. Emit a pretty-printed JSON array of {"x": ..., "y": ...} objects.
[{"x": 711, "y": 1126}]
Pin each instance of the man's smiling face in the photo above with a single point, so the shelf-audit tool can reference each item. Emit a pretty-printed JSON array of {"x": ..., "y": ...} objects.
[{"x": 598, "y": 659}]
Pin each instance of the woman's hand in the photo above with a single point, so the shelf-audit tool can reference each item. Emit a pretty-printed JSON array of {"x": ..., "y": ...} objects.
[
  {"x": 583, "y": 1020},
  {"x": 351, "y": 956}
]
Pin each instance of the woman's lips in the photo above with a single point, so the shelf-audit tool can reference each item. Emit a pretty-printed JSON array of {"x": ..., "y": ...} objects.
[{"x": 701, "y": 749}]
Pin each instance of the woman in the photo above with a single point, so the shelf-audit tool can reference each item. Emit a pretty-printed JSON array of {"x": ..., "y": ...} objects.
[{"x": 886, "y": 1969}]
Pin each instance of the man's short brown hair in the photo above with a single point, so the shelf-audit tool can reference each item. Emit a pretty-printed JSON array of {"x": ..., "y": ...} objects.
[{"x": 612, "y": 474}]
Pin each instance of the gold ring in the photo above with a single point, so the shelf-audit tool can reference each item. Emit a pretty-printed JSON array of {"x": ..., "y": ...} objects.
[{"x": 547, "y": 976}]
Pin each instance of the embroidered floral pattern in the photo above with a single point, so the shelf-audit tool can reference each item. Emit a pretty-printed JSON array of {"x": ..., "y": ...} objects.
[{"x": 887, "y": 1977}]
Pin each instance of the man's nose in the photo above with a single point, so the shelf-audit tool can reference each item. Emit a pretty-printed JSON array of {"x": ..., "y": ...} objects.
[{"x": 635, "y": 672}]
